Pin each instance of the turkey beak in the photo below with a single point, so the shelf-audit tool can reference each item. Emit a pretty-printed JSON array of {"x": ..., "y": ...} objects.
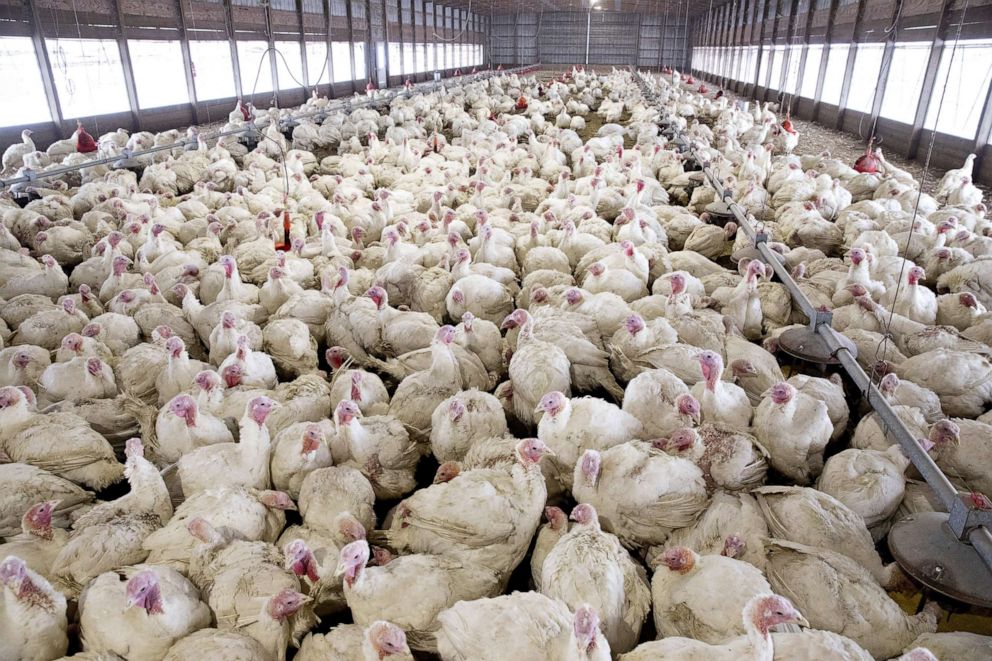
[{"x": 802, "y": 621}]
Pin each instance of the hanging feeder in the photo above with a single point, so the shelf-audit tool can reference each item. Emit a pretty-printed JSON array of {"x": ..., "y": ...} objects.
[{"x": 928, "y": 550}]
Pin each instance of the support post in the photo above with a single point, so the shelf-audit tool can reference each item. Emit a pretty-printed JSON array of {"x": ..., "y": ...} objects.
[
  {"x": 45, "y": 65},
  {"x": 787, "y": 51},
  {"x": 187, "y": 60},
  {"x": 883, "y": 71},
  {"x": 929, "y": 78},
  {"x": 827, "y": 41},
  {"x": 852, "y": 55},
  {"x": 329, "y": 58},
  {"x": 805, "y": 54},
  {"x": 303, "y": 48},
  {"x": 761, "y": 47},
  {"x": 232, "y": 41},
  {"x": 771, "y": 57},
  {"x": 981, "y": 146},
  {"x": 399, "y": 22},
  {"x": 129, "y": 86},
  {"x": 273, "y": 69}
]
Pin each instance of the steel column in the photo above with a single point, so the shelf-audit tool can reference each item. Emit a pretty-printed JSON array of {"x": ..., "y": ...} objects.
[
  {"x": 852, "y": 55},
  {"x": 129, "y": 86},
  {"x": 761, "y": 48},
  {"x": 805, "y": 53},
  {"x": 827, "y": 41},
  {"x": 273, "y": 68},
  {"x": 787, "y": 51},
  {"x": 883, "y": 71},
  {"x": 303, "y": 46},
  {"x": 45, "y": 65},
  {"x": 187, "y": 59},
  {"x": 328, "y": 57},
  {"x": 983, "y": 133},
  {"x": 771, "y": 57},
  {"x": 930, "y": 78},
  {"x": 233, "y": 42}
]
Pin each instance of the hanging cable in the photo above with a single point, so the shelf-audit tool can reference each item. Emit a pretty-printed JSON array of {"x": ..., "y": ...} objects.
[{"x": 882, "y": 347}]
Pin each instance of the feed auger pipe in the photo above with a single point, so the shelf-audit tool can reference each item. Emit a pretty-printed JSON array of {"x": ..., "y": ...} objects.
[
  {"x": 251, "y": 128},
  {"x": 968, "y": 520}
]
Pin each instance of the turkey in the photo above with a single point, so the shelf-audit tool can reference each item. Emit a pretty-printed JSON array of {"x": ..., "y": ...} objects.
[
  {"x": 140, "y": 611},
  {"x": 760, "y": 614},
  {"x": 495, "y": 533},
  {"x": 547, "y": 630},
  {"x": 569, "y": 427},
  {"x": 640, "y": 492},
  {"x": 697, "y": 596},
  {"x": 589, "y": 566},
  {"x": 216, "y": 644},
  {"x": 429, "y": 584},
  {"x": 33, "y": 617},
  {"x": 840, "y": 595},
  {"x": 795, "y": 429},
  {"x": 380, "y": 641},
  {"x": 807, "y": 516}
]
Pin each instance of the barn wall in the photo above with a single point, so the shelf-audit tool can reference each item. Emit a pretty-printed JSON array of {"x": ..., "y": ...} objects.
[
  {"x": 904, "y": 71},
  {"x": 559, "y": 38}
]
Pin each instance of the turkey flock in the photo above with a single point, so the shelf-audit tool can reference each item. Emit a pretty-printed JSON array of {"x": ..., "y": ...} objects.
[{"x": 476, "y": 376}]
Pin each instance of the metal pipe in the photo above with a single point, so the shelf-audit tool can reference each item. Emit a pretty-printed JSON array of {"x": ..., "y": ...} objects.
[{"x": 333, "y": 106}]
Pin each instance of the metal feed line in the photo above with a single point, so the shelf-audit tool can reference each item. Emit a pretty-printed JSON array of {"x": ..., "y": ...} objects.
[
  {"x": 251, "y": 129},
  {"x": 934, "y": 546}
]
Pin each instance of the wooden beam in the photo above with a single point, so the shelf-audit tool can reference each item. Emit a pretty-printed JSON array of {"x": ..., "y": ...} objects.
[
  {"x": 852, "y": 54},
  {"x": 232, "y": 41},
  {"x": 129, "y": 86},
  {"x": 187, "y": 60},
  {"x": 883, "y": 71},
  {"x": 45, "y": 65},
  {"x": 828, "y": 40},
  {"x": 929, "y": 79},
  {"x": 805, "y": 53}
]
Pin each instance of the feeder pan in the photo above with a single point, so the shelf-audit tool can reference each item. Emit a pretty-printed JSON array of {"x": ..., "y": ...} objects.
[
  {"x": 21, "y": 195},
  {"x": 720, "y": 213},
  {"x": 805, "y": 344},
  {"x": 928, "y": 552}
]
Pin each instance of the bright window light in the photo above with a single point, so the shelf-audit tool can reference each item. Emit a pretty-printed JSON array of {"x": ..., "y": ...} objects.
[
  {"x": 834, "y": 76},
  {"x": 213, "y": 72},
  {"x": 19, "y": 71},
  {"x": 88, "y": 76},
  {"x": 778, "y": 61},
  {"x": 289, "y": 66},
  {"x": 407, "y": 59},
  {"x": 317, "y": 63},
  {"x": 421, "y": 58},
  {"x": 254, "y": 61},
  {"x": 814, "y": 55},
  {"x": 902, "y": 89},
  {"x": 341, "y": 54},
  {"x": 360, "y": 72},
  {"x": 967, "y": 82},
  {"x": 159, "y": 74},
  {"x": 864, "y": 79},
  {"x": 395, "y": 58}
]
